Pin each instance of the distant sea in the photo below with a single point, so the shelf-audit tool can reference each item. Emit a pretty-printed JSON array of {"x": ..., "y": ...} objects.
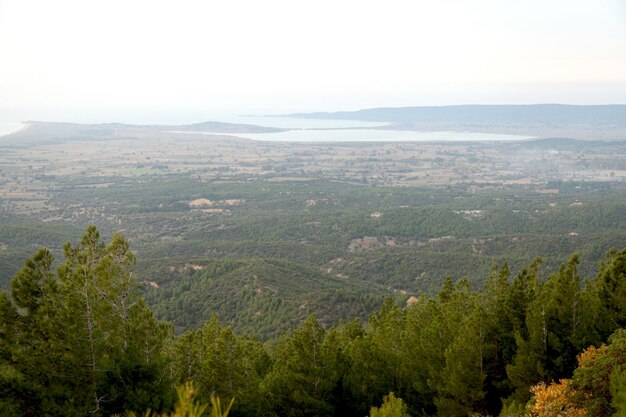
[
  {"x": 317, "y": 130},
  {"x": 374, "y": 135},
  {"x": 323, "y": 130}
]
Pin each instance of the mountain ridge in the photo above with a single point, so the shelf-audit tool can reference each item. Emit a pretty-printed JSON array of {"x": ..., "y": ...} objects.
[{"x": 520, "y": 113}]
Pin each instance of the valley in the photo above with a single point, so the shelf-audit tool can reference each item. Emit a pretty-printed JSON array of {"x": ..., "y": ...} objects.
[{"x": 352, "y": 222}]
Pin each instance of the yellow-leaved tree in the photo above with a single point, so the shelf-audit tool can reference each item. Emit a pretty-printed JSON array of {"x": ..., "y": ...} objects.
[{"x": 554, "y": 400}]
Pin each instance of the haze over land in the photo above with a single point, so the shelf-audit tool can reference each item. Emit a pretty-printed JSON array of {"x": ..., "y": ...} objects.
[
  {"x": 315, "y": 209},
  {"x": 286, "y": 241},
  {"x": 332, "y": 211}
]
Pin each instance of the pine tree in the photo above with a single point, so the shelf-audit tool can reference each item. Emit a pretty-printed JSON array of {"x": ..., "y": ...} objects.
[
  {"x": 83, "y": 342},
  {"x": 300, "y": 382},
  {"x": 611, "y": 286},
  {"x": 555, "y": 334},
  {"x": 460, "y": 383}
]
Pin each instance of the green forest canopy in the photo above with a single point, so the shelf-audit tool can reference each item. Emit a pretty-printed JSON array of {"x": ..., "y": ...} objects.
[{"x": 81, "y": 340}]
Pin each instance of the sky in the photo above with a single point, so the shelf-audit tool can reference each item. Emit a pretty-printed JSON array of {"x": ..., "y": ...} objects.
[{"x": 273, "y": 55}]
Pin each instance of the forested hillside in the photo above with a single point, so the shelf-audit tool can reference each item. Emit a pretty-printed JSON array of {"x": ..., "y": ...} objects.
[
  {"x": 354, "y": 222},
  {"x": 261, "y": 297},
  {"x": 210, "y": 241},
  {"x": 312, "y": 209},
  {"x": 82, "y": 341},
  {"x": 296, "y": 247}
]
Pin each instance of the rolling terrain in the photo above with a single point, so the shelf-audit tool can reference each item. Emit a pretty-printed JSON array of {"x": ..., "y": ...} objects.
[{"x": 265, "y": 233}]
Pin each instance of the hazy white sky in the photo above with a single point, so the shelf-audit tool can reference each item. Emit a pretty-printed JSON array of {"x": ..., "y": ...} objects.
[{"x": 309, "y": 55}]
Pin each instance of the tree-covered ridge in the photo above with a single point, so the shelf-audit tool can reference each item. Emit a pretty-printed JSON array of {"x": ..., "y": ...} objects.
[
  {"x": 365, "y": 242},
  {"x": 261, "y": 297},
  {"x": 82, "y": 341}
]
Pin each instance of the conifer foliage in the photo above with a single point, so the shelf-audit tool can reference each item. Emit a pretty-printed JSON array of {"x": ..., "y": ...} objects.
[{"x": 81, "y": 341}]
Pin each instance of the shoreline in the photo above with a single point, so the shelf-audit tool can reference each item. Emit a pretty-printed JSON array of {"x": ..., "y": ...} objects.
[{"x": 11, "y": 127}]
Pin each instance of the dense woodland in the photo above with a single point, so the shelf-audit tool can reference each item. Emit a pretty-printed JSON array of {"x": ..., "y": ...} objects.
[
  {"x": 82, "y": 341},
  {"x": 389, "y": 279},
  {"x": 268, "y": 233},
  {"x": 267, "y": 254}
]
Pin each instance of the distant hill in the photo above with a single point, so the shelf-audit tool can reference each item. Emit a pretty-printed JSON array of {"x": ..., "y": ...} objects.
[
  {"x": 46, "y": 132},
  {"x": 599, "y": 122},
  {"x": 532, "y": 113},
  {"x": 213, "y": 127}
]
